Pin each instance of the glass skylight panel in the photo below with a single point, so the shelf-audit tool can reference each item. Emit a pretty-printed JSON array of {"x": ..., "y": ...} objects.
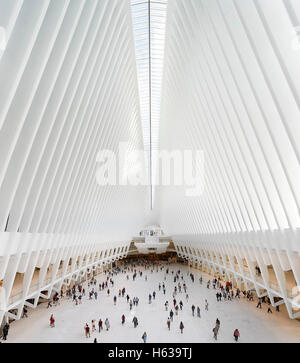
[{"x": 149, "y": 25}]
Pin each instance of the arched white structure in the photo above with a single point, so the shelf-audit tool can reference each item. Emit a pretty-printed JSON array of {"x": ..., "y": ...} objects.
[{"x": 69, "y": 88}]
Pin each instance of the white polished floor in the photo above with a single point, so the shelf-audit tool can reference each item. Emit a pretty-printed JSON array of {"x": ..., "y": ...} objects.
[{"x": 254, "y": 325}]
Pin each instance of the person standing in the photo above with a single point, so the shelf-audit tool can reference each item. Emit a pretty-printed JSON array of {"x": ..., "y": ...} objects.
[
  {"x": 181, "y": 327},
  {"x": 52, "y": 321},
  {"x": 87, "y": 331},
  {"x": 123, "y": 319},
  {"x": 144, "y": 337}
]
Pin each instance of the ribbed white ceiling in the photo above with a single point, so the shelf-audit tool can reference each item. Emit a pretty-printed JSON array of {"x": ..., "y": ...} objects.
[
  {"x": 74, "y": 78},
  {"x": 232, "y": 89},
  {"x": 68, "y": 90}
]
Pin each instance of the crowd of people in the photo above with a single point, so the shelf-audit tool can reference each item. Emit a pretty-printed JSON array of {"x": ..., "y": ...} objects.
[
  {"x": 140, "y": 269},
  {"x": 173, "y": 276}
]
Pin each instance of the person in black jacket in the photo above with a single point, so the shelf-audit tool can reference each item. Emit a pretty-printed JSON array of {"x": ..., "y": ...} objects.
[
  {"x": 181, "y": 327},
  {"x": 5, "y": 331}
]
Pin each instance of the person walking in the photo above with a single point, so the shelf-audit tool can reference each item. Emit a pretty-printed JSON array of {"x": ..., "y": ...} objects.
[
  {"x": 171, "y": 315},
  {"x": 5, "y": 331},
  {"x": 100, "y": 325},
  {"x": 215, "y": 331},
  {"x": 169, "y": 323},
  {"x": 259, "y": 303},
  {"x": 193, "y": 310},
  {"x": 93, "y": 325},
  {"x": 107, "y": 324},
  {"x": 24, "y": 313},
  {"x": 123, "y": 319},
  {"x": 236, "y": 334},
  {"x": 135, "y": 322},
  {"x": 269, "y": 309}
]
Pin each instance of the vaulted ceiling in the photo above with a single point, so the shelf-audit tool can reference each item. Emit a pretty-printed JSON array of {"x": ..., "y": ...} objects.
[
  {"x": 68, "y": 90},
  {"x": 232, "y": 89},
  {"x": 225, "y": 79}
]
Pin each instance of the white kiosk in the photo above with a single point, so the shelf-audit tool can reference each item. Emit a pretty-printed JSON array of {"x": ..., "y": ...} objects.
[{"x": 150, "y": 241}]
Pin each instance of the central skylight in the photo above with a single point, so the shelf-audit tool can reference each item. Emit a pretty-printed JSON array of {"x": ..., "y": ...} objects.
[{"x": 149, "y": 24}]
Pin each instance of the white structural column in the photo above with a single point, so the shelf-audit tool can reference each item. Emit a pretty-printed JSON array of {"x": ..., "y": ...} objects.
[{"x": 231, "y": 89}]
